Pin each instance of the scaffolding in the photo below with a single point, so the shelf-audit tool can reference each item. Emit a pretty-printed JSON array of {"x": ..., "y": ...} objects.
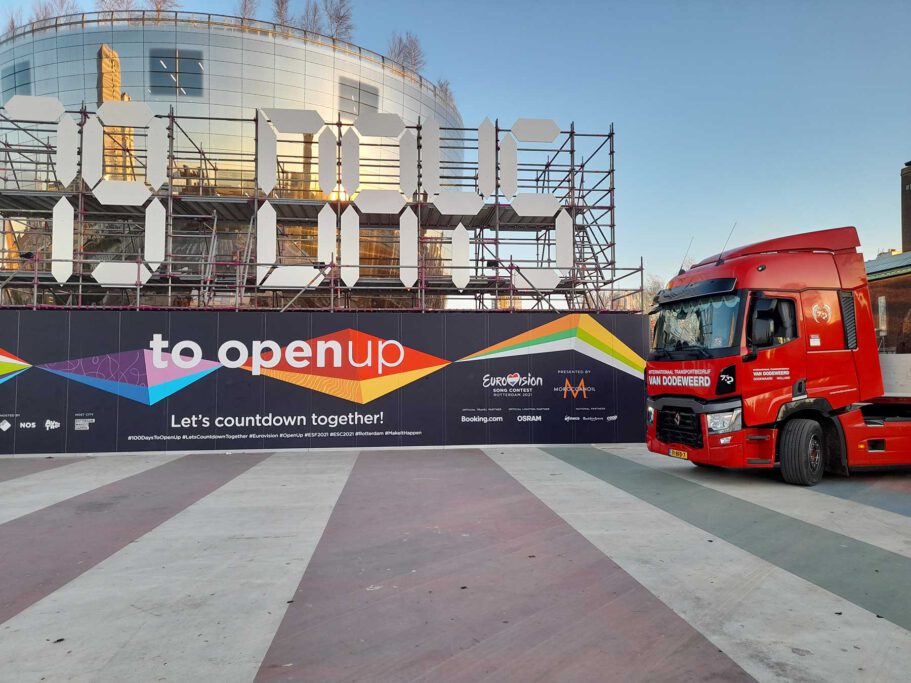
[{"x": 211, "y": 201}]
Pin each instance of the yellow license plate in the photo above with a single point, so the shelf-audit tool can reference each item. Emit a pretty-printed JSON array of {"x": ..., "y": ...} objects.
[{"x": 674, "y": 453}]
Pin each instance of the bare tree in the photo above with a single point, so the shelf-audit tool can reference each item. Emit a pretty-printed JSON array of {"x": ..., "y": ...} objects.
[
  {"x": 339, "y": 18},
  {"x": 407, "y": 51},
  {"x": 114, "y": 5},
  {"x": 12, "y": 20},
  {"x": 281, "y": 12},
  {"x": 312, "y": 18},
  {"x": 444, "y": 92},
  {"x": 45, "y": 9},
  {"x": 246, "y": 9},
  {"x": 159, "y": 6}
]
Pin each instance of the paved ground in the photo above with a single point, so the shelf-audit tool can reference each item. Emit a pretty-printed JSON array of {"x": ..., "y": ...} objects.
[{"x": 503, "y": 564}]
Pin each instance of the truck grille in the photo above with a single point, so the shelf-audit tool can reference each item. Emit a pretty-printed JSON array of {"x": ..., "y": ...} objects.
[{"x": 687, "y": 432}]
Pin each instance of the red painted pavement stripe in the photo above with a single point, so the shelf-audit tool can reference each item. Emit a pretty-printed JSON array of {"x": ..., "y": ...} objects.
[
  {"x": 383, "y": 599},
  {"x": 42, "y": 551},
  {"x": 13, "y": 468}
]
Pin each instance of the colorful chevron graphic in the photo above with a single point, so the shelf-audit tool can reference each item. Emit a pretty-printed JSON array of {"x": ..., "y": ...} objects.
[
  {"x": 575, "y": 332},
  {"x": 131, "y": 374},
  {"x": 10, "y": 366},
  {"x": 356, "y": 372}
]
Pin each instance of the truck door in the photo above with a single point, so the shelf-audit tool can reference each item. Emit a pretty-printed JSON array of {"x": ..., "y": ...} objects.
[
  {"x": 831, "y": 373},
  {"x": 775, "y": 365}
]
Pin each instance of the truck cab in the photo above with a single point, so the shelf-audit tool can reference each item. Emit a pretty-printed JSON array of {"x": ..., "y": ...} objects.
[{"x": 766, "y": 356}]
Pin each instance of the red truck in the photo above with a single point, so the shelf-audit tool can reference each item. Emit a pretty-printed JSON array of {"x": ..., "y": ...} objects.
[{"x": 766, "y": 356}]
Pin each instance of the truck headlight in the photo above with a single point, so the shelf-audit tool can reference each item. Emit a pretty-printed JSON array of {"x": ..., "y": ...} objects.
[
  {"x": 649, "y": 415},
  {"x": 723, "y": 423}
]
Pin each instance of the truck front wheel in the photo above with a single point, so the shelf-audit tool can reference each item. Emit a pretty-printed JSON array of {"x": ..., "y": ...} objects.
[{"x": 801, "y": 452}]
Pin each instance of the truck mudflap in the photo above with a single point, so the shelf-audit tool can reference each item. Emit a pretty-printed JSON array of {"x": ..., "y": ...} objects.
[{"x": 753, "y": 447}]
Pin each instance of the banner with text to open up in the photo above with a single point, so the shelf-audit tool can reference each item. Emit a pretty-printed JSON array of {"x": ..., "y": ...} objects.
[{"x": 120, "y": 381}]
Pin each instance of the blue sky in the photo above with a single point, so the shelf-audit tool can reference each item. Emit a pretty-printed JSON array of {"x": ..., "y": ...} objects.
[{"x": 782, "y": 116}]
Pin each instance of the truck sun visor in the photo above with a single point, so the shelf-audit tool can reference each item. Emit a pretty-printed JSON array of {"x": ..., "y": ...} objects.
[{"x": 692, "y": 290}]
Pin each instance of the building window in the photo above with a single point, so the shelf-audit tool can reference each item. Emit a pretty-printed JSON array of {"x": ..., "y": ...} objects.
[
  {"x": 355, "y": 98},
  {"x": 175, "y": 72},
  {"x": 16, "y": 79}
]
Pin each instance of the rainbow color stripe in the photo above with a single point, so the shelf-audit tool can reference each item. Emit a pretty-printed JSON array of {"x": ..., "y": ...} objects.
[
  {"x": 575, "y": 332},
  {"x": 10, "y": 366}
]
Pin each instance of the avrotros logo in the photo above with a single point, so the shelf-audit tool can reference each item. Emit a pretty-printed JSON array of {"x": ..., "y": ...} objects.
[{"x": 348, "y": 364}]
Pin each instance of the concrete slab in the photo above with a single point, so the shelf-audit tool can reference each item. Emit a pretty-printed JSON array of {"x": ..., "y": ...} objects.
[
  {"x": 438, "y": 566},
  {"x": 589, "y": 566},
  {"x": 197, "y": 598},
  {"x": 774, "y": 624}
]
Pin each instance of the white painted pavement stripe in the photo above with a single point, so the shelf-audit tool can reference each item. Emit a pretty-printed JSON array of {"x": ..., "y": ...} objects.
[
  {"x": 24, "y": 495},
  {"x": 203, "y": 592},
  {"x": 887, "y": 530},
  {"x": 773, "y": 624}
]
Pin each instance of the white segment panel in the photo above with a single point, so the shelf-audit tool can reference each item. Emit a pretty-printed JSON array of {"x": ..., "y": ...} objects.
[
  {"x": 62, "y": 241},
  {"x": 532, "y": 204},
  {"x": 379, "y": 201},
  {"x": 66, "y": 158},
  {"x": 408, "y": 248},
  {"x": 133, "y": 114},
  {"x": 541, "y": 279},
  {"x": 487, "y": 158},
  {"x": 305, "y": 121},
  {"x": 351, "y": 161},
  {"x": 32, "y": 108},
  {"x": 122, "y": 192},
  {"x": 326, "y": 233},
  {"x": 430, "y": 157},
  {"x": 157, "y": 158},
  {"x": 266, "y": 241},
  {"x": 120, "y": 274},
  {"x": 351, "y": 247},
  {"x": 535, "y": 130},
  {"x": 379, "y": 125},
  {"x": 564, "y": 234},
  {"x": 293, "y": 277},
  {"x": 460, "y": 262},
  {"x": 509, "y": 167},
  {"x": 154, "y": 244},
  {"x": 408, "y": 163},
  {"x": 328, "y": 162},
  {"x": 266, "y": 154},
  {"x": 92, "y": 150},
  {"x": 458, "y": 203}
]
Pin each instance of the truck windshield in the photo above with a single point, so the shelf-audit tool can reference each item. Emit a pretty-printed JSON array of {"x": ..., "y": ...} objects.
[{"x": 704, "y": 324}]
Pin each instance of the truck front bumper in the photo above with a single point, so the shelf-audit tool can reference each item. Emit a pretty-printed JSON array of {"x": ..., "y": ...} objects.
[
  {"x": 750, "y": 447},
  {"x": 684, "y": 434}
]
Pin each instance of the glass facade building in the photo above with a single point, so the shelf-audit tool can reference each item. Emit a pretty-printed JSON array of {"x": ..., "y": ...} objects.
[{"x": 212, "y": 67}]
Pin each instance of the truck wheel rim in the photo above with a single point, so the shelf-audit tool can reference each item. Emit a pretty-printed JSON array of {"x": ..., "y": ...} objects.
[{"x": 813, "y": 453}]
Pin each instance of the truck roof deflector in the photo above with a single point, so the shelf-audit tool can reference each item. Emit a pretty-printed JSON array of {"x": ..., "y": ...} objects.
[{"x": 691, "y": 290}]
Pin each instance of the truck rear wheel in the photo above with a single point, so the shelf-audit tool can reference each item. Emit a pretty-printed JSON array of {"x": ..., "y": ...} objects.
[{"x": 802, "y": 452}]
